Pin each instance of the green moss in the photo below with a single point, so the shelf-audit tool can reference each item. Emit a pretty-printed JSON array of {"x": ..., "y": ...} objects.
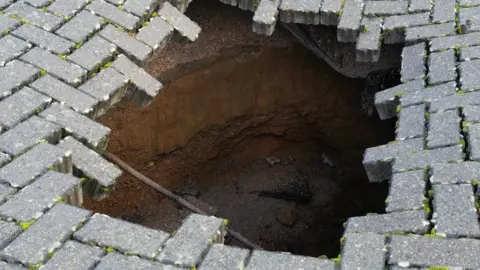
[
  {"x": 67, "y": 18},
  {"x": 427, "y": 115},
  {"x": 78, "y": 45},
  {"x": 400, "y": 94},
  {"x": 42, "y": 72},
  {"x": 399, "y": 108},
  {"x": 26, "y": 225},
  {"x": 437, "y": 268},
  {"x": 109, "y": 249},
  {"x": 341, "y": 241},
  {"x": 63, "y": 56},
  {"x": 337, "y": 259},
  {"x": 52, "y": 168},
  {"x": 392, "y": 142},
  {"x": 120, "y": 7},
  {"x": 154, "y": 14},
  {"x": 462, "y": 143}
]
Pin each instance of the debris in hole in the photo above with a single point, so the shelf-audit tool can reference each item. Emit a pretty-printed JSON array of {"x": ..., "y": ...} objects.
[
  {"x": 327, "y": 161},
  {"x": 272, "y": 160},
  {"x": 294, "y": 191},
  {"x": 191, "y": 191},
  {"x": 205, "y": 207},
  {"x": 286, "y": 214}
]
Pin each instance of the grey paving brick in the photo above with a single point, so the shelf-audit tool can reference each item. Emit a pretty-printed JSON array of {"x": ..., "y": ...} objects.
[
  {"x": 471, "y": 114},
  {"x": 386, "y": 101},
  {"x": 427, "y": 251},
  {"x": 65, "y": 94},
  {"x": 127, "y": 44},
  {"x": 349, "y": 23},
  {"x": 182, "y": 5},
  {"x": 329, "y": 12},
  {"x": 11, "y": 266},
  {"x": 377, "y": 160},
  {"x": 385, "y": 8},
  {"x": 407, "y": 191},
  {"x": 423, "y": 159},
  {"x": 455, "y": 101},
  {"x": 473, "y": 138},
  {"x": 303, "y": 11},
  {"x": 44, "y": 39},
  {"x": 116, "y": 2},
  {"x": 140, "y": 8},
  {"x": 27, "y": 134},
  {"x": 468, "y": 79},
  {"x": 428, "y": 94},
  {"x": 83, "y": 25},
  {"x": 443, "y": 11},
  {"x": 45, "y": 235},
  {"x": 221, "y": 257},
  {"x": 363, "y": 251},
  {"x": 466, "y": 14},
  {"x": 442, "y": 43},
  {"x": 193, "y": 238},
  {"x": 108, "y": 87},
  {"x": 411, "y": 122},
  {"x": 37, "y": 3},
  {"x": 147, "y": 85},
  {"x": 24, "y": 169},
  {"x": 406, "y": 222},
  {"x": 444, "y": 129},
  {"x": 12, "y": 47},
  {"x": 93, "y": 54},
  {"x": 8, "y": 232},
  {"x": 265, "y": 18},
  {"x": 413, "y": 62},
  {"x": 264, "y": 260},
  {"x": 419, "y": 33},
  {"x": 74, "y": 255},
  {"x": 394, "y": 26},
  {"x": 53, "y": 64},
  {"x": 469, "y": 53},
  {"x": 368, "y": 43},
  {"x": 121, "y": 235},
  {"x": 115, "y": 261},
  {"x": 7, "y": 24},
  {"x": 114, "y": 14},
  {"x": 454, "y": 209},
  {"x": 419, "y": 5},
  {"x": 35, "y": 199},
  {"x": 4, "y": 159},
  {"x": 20, "y": 106},
  {"x": 14, "y": 75},
  {"x": 442, "y": 67},
  {"x": 34, "y": 16},
  {"x": 180, "y": 22},
  {"x": 156, "y": 34},
  {"x": 469, "y": 2},
  {"x": 91, "y": 164},
  {"x": 67, "y": 8},
  {"x": 5, "y": 192}
]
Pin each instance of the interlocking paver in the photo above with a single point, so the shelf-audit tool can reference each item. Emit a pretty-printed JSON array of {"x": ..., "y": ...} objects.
[
  {"x": 37, "y": 3},
  {"x": 14, "y": 75},
  {"x": 264, "y": 260},
  {"x": 473, "y": 138},
  {"x": 12, "y": 47},
  {"x": 118, "y": 261},
  {"x": 7, "y": 24},
  {"x": 156, "y": 34},
  {"x": 44, "y": 39},
  {"x": 6, "y": 191},
  {"x": 115, "y": 15},
  {"x": 221, "y": 257},
  {"x": 413, "y": 62},
  {"x": 140, "y": 8},
  {"x": 66, "y": 8},
  {"x": 471, "y": 114},
  {"x": 35, "y": 16},
  {"x": 180, "y": 22},
  {"x": 75, "y": 255},
  {"x": 411, "y": 122},
  {"x": 83, "y": 25},
  {"x": 385, "y": 8},
  {"x": 442, "y": 43},
  {"x": 407, "y": 191},
  {"x": 300, "y": 11},
  {"x": 386, "y": 101},
  {"x": 93, "y": 54},
  {"x": 444, "y": 129},
  {"x": 468, "y": 80},
  {"x": 441, "y": 67},
  {"x": 368, "y": 43},
  {"x": 406, "y": 222},
  {"x": 428, "y": 94},
  {"x": 349, "y": 23},
  {"x": 423, "y": 159},
  {"x": 394, "y": 26},
  {"x": 265, "y": 17},
  {"x": 414, "y": 34},
  {"x": 443, "y": 11},
  {"x": 329, "y": 12},
  {"x": 363, "y": 251},
  {"x": 8, "y": 231},
  {"x": 455, "y": 101},
  {"x": 455, "y": 173},
  {"x": 470, "y": 53},
  {"x": 11, "y": 266}
]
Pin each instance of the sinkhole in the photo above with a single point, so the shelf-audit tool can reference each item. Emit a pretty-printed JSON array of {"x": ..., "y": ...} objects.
[{"x": 269, "y": 137}]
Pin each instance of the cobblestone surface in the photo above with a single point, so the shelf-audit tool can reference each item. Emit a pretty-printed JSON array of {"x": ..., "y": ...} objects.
[{"x": 70, "y": 61}]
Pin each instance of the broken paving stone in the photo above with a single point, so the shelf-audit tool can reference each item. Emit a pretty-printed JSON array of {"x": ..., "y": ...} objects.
[
  {"x": 272, "y": 160},
  {"x": 205, "y": 207}
]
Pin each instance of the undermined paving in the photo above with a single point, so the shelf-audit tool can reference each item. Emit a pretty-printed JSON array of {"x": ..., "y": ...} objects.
[{"x": 64, "y": 63}]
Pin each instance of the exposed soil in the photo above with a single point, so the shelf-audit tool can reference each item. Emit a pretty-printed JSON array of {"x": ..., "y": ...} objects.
[{"x": 208, "y": 135}]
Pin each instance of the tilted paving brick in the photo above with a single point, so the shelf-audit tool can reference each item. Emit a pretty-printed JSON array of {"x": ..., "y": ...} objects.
[
  {"x": 24, "y": 169},
  {"x": 65, "y": 94},
  {"x": 428, "y": 94},
  {"x": 83, "y": 25},
  {"x": 35, "y": 16},
  {"x": 140, "y": 8},
  {"x": 8, "y": 231},
  {"x": 407, "y": 191},
  {"x": 386, "y": 101},
  {"x": 118, "y": 261},
  {"x": 242, "y": 4},
  {"x": 473, "y": 138},
  {"x": 14, "y": 75},
  {"x": 44, "y": 39},
  {"x": 454, "y": 212},
  {"x": 427, "y": 251},
  {"x": 394, "y": 26},
  {"x": 114, "y": 14},
  {"x": 265, "y": 18},
  {"x": 221, "y": 257},
  {"x": 127, "y": 44},
  {"x": 419, "y": 33},
  {"x": 45, "y": 235},
  {"x": 263, "y": 260},
  {"x": 349, "y": 23},
  {"x": 406, "y": 222},
  {"x": 419, "y": 5},
  {"x": 443, "y": 11},
  {"x": 182, "y": 5},
  {"x": 5, "y": 192},
  {"x": 442, "y": 43},
  {"x": 441, "y": 67},
  {"x": 424, "y": 159},
  {"x": 87, "y": 163},
  {"x": 468, "y": 79},
  {"x": 330, "y": 11},
  {"x": 7, "y": 24},
  {"x": 300, "y": 11},
  {"x": 411, "y": 122},
  {"x": 27, "y": 134},
  {"x": 469, "y": 53},
  {"x": 66, "y": 71},
  {"x": 74, "y": 255},
  {"x": 79, "y": 126},
  {"x": 385, "y": 8},
  {"x": 444, "y": 129},
  {"x": 368, "y": 43},
  {"x": 363, "y": 251},
  {"x": 156, "y": 33},
  {"x": 66, "y": 8},
  {"x": 93, "y": 54},
  {"x": 121, "y": 235},
  {"x": 33, "y": 200},
  {"x": 193, "y": 238},
  {"x": 12, "y": 47},
  {"x": 148, "y": 86},
  {"x": 455, "y": 101},
  {"x": 377, "y": 160},
  {"x": 37, "y": 3},
  {"x": 471, "y": 114},
  {"x": 180, "y": 22},
  {"x": 21, "y": 105},
  {"x": 413, "y": 62}
]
